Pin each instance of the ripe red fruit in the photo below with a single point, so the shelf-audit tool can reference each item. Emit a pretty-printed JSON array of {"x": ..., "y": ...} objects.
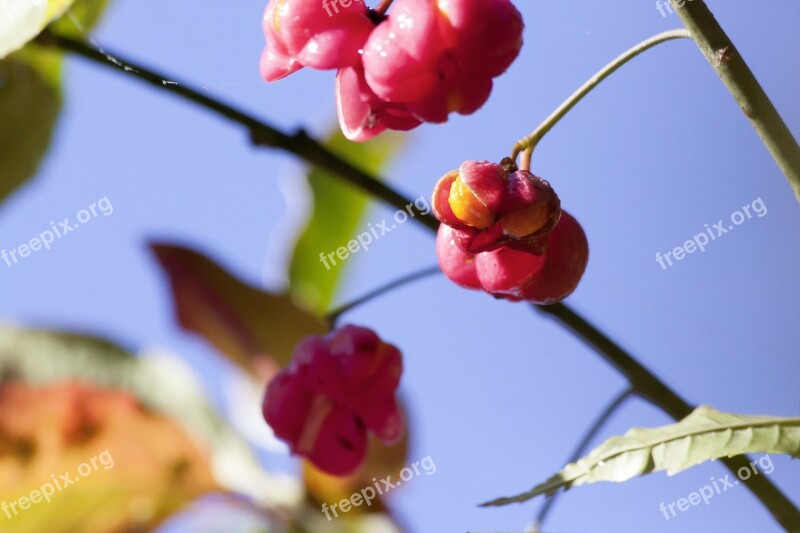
[
  {"x": 362, "y": 115},
  {"x": 506, "y": 271},
  {"x": 567, "y": 256},
  {"x": 456, "y": 264},
  {"x": 516, "y": 275},
  {"x": 421, "y": 62},
  {"x": 301, "y": 33},
  {"x": 335, "y": 390},
  {"x": 489, "y": 208},
  {"x": 440, "y": 57}
]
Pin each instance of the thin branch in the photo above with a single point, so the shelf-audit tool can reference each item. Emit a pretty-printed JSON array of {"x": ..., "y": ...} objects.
[
  {"x": 299, "y": 144},
  {"x": 334, "y": 315},
  {"x": 528, "y": 144},
  {"x": 743, "y": 85},
  {"x": 648, "y": 386},
  {"x": 581, "y": 449}
]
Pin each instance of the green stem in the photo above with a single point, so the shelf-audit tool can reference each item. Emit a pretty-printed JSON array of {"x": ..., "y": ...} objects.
[
  {"x": 527, "y": 144},
  {"x": 333, "y": 316},
  {"x": 581, "y": 449},
  {"x": 743, "y": 85}
]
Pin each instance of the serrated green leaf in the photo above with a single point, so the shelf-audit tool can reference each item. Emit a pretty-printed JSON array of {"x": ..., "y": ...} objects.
[
  {"x": 243, "y": 323},
  {"x": 337, "y": 212},
  {"x": 704, "y": 435}
]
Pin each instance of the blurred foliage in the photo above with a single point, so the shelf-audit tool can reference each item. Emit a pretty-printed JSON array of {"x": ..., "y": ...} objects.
[
  {"x": 255, "y": 329},
  {"x": 30, "y": 100},
  {"x": 105, "y": 462},
  {"x": 337, "y": 211},
  {"x": 161, "y": 383},
  {"x": 81, "y": 17},
  {"x": 30, "y": 92}
]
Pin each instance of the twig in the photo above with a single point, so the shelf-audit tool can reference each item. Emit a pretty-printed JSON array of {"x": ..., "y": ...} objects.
[
  {"x": 743, "y": 85},
  {"x": 580, "y": 449},
  {"x": 299, "y": 143},
  {"x": 528, "y": 144},
  {"x": 648, "y": 386},
  {"x": 333, "y": 316}
]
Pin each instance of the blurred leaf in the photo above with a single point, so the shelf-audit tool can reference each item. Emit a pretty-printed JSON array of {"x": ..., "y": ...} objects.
[
  {"x": 22, "y": 20},
  {"x": 30, "y": 100},
  {"x": 134, "y": 467},
  {"x": 245, "y": 324},
  {"x": 30, "y": 82},
  {"x": 337, "y": 213},
  {"x": 704, "y": 435},
  {"x": 82, "y": 17},
  {"x": 161, "y": 382}
]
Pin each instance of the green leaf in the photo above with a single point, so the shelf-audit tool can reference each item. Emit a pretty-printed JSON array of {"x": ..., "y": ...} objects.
[
  {"x": 30, "y": 86},
  {"x": 30, "y": 100},
  {"x": 244, "y": 323},
  {"x": 335, "y": 219},
  {"x": 82, "y": 17},
  {"x": 704, "y": 435}
]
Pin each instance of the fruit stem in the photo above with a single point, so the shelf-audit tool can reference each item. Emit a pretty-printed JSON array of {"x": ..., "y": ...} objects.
[
  {"x": 744, "y": 87},
  {"x": 527, "y": 144},
  {"x": 649, "y": 387},
  {"x": 383, "y": 7},
  {"x": 333, "y": 316}
]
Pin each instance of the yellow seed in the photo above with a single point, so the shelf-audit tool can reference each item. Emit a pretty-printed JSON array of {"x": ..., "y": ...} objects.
[
  {"x": 467, "y": 207},
  {"x": 526, "y": 221}
]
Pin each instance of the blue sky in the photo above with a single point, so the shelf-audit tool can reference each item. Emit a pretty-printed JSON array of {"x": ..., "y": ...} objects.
[{"x": 499, "y": 396}]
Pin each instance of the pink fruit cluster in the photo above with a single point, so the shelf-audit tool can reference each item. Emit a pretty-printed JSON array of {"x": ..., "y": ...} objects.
[
  {"x": 336, "y": 390},
  {"x": 504, "y": 232},
  {"x": 421, "y": 62}
]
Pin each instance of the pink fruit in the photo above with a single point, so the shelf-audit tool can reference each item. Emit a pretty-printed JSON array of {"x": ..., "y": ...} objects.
[
  {"x": 307, "y": 33},
  {"x": 488, "y": 208},
  {"x": 423, "y": 61},
  {"x": 567, "y": 256},
  {"x": 336, "y": 390},
  {"x": 362, "y": 115},
  {"x": 456, "y": 264},
  {"x": 506, "y": 271}
]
